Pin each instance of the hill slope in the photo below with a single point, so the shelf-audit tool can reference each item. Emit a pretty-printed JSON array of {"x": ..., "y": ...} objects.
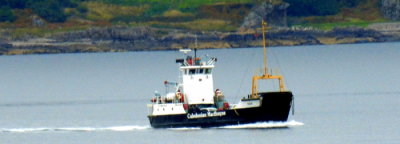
[{"x": 51, "y": 26}]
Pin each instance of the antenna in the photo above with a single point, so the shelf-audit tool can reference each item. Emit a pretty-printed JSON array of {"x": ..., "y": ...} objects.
[
  {"x": 266, "y": 75},
  {"x": 195, "y": 41},
  {"x": 195, "y": 46},
  {"x": 264, "y": 29},
  {"x": 195, "y": 53}
]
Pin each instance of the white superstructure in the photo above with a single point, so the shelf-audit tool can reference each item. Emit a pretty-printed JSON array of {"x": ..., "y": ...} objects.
[
  {"x": 195, "y": 87},
  {"x": 197, "y": 83}
]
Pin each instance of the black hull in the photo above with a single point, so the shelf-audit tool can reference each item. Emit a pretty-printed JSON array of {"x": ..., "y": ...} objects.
[{"x": 275, "y": 107}]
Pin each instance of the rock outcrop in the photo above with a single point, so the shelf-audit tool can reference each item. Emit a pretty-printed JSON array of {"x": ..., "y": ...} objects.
[
  {"x": 274, "y": 14},
  {"x": 5, "y": 44},
  {"x": 114, "y": 39}
]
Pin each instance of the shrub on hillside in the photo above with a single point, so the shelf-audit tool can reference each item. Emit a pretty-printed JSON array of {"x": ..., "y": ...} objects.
[
  {"x": 20, "y": 4},
  {"x": 319, "y": 7},
  {"x": 82, "y": 9},
  {"x": 351, "y": 3},
  {"x": 49, "y": 10},
  {"x": 313, "y": 7},
  {"x": 6, "y": 14}
]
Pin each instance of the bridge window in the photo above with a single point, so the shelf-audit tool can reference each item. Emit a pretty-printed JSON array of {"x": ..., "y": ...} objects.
[
  {"x": 201, "y": 71},
  {"x": 208, "y": 71},
  {"x": 198, "y": 71},
  {"x": 192, "y": 71}
]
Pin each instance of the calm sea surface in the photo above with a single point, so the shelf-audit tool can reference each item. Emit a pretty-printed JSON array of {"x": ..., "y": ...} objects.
[{"x": 344, "y": 94}]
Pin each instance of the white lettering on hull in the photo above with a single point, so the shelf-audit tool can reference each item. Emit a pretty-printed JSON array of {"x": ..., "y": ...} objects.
[{"x": 204, "y": 115}]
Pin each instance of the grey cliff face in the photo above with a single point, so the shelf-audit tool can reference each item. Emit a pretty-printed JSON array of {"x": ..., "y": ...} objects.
[
  {"x": 274, "y": 14},
  {"x": 391, "y": 9}
]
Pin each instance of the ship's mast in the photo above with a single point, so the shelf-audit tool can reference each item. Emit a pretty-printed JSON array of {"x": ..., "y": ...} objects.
[
  {"x": 264, "y": 30},
  {"x": 195, "y": 46},
  {"x": 265, "y": 75}
]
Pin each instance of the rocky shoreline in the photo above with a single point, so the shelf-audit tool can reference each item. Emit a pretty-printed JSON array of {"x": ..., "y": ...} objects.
[
  {"x": 124, "y": 38},
  {"x": 120, "y": 39}
]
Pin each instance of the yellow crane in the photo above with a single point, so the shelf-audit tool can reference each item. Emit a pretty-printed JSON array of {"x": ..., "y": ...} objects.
[{"x": 266, "y": 75}]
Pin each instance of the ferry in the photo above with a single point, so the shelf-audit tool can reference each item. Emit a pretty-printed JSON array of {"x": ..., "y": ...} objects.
[{"x": 193, "y": 101}]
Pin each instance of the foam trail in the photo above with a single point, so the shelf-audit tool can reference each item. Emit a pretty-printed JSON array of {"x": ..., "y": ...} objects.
[
  {"x": 74, "y": 129},
  {"x": 136, "y": 128},
  {"x": 265, "y": 125},
  {"x": 185, "y": 128},
  {"x": 127, "y": 128},
  {"x": 257, "y": 125}
]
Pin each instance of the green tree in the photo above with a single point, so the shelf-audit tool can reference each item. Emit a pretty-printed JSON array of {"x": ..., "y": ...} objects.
[
  {"x": 50, "y": 10},
  {"x": 351, "y": 3},
  {"x": 313, "y": 7},
  {"x": 20, "y": 4},
  {"x": 6, "y": 14}
]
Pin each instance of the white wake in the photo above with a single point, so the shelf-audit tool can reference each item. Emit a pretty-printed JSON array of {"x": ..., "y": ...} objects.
[
  {"x": 74, "y": 129},
  {"x": 258, "y": 125},
  {"x": 291, "y": 123},
  {"x": 136, "y": 128}
]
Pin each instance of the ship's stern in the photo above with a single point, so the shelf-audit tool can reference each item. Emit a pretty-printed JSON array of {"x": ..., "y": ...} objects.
[{"x": 275, "y": 106}]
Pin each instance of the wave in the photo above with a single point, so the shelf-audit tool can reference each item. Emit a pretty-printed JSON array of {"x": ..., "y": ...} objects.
[
  {"x": 67, "y": 103},
  {"x": 74, "y": 129},
  {"x": 260, "y": 125},
  {"x": 353, "y": 93}
]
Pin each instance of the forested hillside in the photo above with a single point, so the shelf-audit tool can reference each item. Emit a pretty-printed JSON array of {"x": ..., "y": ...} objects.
[
  {"x": 51, "y": 10},
  {"x": 65, "y": 26},
  {"x": 320, "y": 7},
  {"x": 222, "y": 15}
]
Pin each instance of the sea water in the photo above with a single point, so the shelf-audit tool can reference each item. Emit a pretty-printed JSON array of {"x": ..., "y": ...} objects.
[{"x": 343, "y": 94}]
